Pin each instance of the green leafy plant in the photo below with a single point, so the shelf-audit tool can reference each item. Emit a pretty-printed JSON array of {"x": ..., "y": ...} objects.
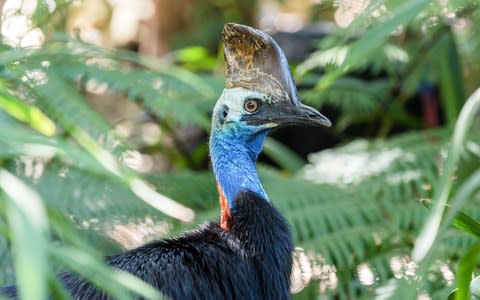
[
  {"x": 52, "y": 138},
  {"x": 399, "y": 48}
]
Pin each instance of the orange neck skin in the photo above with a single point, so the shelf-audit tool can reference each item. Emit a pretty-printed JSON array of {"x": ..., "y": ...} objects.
[{"x": 225, "y": 215}]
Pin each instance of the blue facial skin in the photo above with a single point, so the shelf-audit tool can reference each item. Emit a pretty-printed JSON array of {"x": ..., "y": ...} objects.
[{"x": 234, "y": 148}]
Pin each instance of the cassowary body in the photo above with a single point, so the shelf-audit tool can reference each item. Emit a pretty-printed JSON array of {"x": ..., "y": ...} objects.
[
  {"x": 248, "y": 255},
  {"x": 244, "y": 262}
]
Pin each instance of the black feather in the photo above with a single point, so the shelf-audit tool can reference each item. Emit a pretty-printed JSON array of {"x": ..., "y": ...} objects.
[{"x": 251, "y": 260}]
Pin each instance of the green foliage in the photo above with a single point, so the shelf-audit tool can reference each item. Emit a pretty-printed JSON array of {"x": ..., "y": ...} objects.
[
  {"x": 376, "y": 221},
  {"x": 434, "y": 60},
  {"x": 27, "y": 221},
  {"x": 466, "y": 267},
  {"x": 406, "y": 46},
  {"x": 66, "y": 159}
]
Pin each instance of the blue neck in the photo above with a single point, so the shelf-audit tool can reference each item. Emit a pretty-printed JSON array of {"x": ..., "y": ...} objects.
[{"x": 234, "y": 151}]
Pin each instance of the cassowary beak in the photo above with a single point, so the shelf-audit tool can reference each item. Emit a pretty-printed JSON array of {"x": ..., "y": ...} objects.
[
  {"x": 279, "y": 115},
  {"x": 305, "y": 115},
  {"x": 256, "y": 62}
]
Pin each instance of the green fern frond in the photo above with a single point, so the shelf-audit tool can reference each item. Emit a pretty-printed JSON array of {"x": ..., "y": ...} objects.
[
  {"x": 350, "y": 95},
  {"x": 343, "y": 222}
]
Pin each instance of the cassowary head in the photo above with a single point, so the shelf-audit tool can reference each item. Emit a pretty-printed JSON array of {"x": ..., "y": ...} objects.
[{"x": 260, "y": 92}]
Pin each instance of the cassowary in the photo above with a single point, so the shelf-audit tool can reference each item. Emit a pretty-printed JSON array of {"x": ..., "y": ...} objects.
[{"x": 248, "y": 254}]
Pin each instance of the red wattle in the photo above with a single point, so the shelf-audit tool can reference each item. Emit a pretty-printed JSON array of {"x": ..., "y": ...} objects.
[{"x": 225, "y": 215}]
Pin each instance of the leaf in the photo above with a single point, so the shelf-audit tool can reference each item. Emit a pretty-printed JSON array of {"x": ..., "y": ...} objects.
[
  {"x": 465, "y": 269},
  {"x": 451, "y": 77},
  {"x": 26, "y": 113},
  {"x": 286, "y": 158},
  {"x": 29, "y": 226},
  {"x": 466, "y": 223},
  {"x": 430, "y": 229},
  {"x": 88, "y": 127},
  {"x": 402, "y": 13}
]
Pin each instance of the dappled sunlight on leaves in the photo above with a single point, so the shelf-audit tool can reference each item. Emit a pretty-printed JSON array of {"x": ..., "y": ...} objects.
[
  {"x": 366, "y": 275},
  {"x": 35, "y": 77},
  {"x": 308, "y": 267},
  {"x": 17, "y": 25},
  {"x": 404, "y": 267},
  {"x": 354, "y": 163},
  {"x": 139, "y": 232},
  {"x": 137, "y": 161}
]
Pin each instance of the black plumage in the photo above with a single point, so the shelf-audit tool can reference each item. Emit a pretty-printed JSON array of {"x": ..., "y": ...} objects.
[{"x": 252, "y": 260}]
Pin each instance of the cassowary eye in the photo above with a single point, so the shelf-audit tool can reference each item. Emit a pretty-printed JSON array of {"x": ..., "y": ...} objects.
[{"x": 251, "y": 105}]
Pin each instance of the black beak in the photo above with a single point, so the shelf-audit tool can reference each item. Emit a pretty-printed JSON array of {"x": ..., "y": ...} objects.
[
  {"x": 287, "y": 115},
  {"x": 307, "y": 116}
]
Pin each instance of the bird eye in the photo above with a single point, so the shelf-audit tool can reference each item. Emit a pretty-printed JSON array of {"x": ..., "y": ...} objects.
[{"x": 251, "y": 105}]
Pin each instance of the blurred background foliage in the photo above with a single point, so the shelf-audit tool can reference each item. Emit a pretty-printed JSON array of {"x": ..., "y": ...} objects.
[{"x": 104, "y": 121}]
